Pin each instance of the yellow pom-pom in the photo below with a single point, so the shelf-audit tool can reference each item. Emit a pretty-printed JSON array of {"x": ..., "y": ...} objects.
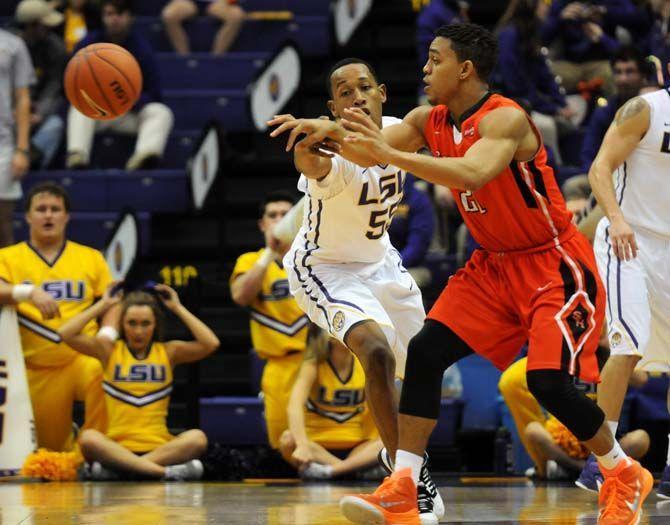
[
  {"x": 566, "y": 439},
  {"x": 52, "y": 466}
]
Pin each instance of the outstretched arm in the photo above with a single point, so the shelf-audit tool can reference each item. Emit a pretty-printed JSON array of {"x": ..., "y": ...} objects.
[
  {"x": 205, "y": 339},
  {"x": 629, "y": 126},
  {"x": 501, "y": 134}
]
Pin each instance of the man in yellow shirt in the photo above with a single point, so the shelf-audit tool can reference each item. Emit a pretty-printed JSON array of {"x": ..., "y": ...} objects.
[
  {"x": 51, "y": 279},
  {"x": 278, "y": 325}
]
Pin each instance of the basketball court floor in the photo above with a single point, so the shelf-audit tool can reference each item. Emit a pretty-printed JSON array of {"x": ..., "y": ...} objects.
[{"x": 468, "y": 501}]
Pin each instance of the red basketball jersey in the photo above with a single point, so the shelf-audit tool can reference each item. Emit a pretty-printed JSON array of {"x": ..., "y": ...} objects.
[{"x": 522, "y": 208}]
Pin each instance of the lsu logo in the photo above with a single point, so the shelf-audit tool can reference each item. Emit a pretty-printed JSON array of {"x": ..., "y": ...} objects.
[
  {"x": 140, "y": 374},
  {"x": 65, "y": 290},
  {"x": 342, "y": 398}
]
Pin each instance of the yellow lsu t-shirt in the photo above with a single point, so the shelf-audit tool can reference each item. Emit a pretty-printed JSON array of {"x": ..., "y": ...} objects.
[
  {"x": 76, "y": 278},
  {"x": 278, "y": 325}
]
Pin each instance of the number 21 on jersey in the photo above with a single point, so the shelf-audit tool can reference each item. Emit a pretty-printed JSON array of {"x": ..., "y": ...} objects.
[{"x": 470, "y": 204}]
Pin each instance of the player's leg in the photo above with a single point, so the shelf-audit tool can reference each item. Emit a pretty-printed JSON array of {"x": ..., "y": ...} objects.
[
  {"x": 88, "y": 388},
  {"x": 52, "y": 391},
  {"x": 369, "y": 343},
  {"x": 191, "y": 444},
  {"x": 96, "y": 447},
  {"x": 173, "y": 16},
  {"x": 523, "y": 406},
  {"x": 232, "y": 18}
]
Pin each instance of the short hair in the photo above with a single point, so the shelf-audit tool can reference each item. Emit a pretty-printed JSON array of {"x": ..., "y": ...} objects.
[
  {"x": 346, "y": 62},
  {"x": 472, "y": 42},
  {"x": 631, "y": 54},
  {"x": 275, "y": 196},
  {"x": 121, "y": 6},
  {"x": 52, "y": 188}
]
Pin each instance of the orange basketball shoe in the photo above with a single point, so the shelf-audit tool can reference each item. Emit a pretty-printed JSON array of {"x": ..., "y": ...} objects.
[
  {"x": 393, "y": 503},
  {"x": 623, "y": 493}
]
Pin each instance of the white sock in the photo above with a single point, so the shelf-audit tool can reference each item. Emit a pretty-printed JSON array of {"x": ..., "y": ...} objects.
[
  {"x": 404, "y": 459},
  {"x": 668, "y": 461},
  {"x": 615, "y": 456},
  {"x": 614, "y": 425}
]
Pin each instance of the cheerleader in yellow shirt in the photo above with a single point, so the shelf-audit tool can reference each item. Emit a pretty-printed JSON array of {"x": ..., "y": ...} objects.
[
  {"x": 331, "y": 431},
  {"x": 137, "y": 385}
]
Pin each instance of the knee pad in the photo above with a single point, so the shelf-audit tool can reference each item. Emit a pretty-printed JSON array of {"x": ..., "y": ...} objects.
[
  {"x": 556, "y": 391},
  {"x": 429, "y": 354}
]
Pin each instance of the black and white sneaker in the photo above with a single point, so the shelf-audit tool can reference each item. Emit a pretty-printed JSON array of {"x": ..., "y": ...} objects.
[{"x": 429, "y": 501}]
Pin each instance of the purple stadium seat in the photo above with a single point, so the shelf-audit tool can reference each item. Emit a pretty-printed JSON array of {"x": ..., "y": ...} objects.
[
  {"x": 112, "y": 150},
  {"x": 195, "y": 108},
  {"x": 115, "y": 190},
  {"x": 233, "y": 420},
  {"x": 204, "y": 71},
  {"x": 92, "y": 229}
]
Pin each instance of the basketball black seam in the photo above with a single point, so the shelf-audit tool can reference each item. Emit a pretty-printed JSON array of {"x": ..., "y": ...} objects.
[
  {"x": 121, "y": 72},
  {"x": 111, "y": 108}
]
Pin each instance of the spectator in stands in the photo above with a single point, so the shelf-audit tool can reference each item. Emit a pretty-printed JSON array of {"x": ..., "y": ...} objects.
[
  {"x": 138, "y": 382},
  {"x": 630, "y": 73},
  {"x": 523, "y": 73},
  {"x": 36, "y": 18},
  {"x": 587, "y": 33},
  {"x": 80, "y": 17},
  {"x": 412, "y": 228},
  {"x": 556, "y": 453},
  {"x": 331, "y": 432},
  {"x": 434, "y": 15},
  {"x": 278, "y": 325},
  {"x": 17, "y": 75},
  {"x": 230, "y": 14},
  {"x": 658, "y": 39},
  {"x": 150, "y": 119},
  {"x": 50, "y": 279}
]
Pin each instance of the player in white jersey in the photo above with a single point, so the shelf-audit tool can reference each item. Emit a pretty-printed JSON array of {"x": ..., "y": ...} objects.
[
  {"x": 343, "y": 270},
  {"x": 630, "y": 177}
]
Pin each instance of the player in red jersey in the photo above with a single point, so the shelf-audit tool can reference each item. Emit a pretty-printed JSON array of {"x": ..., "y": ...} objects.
[{"x": 535, "y": 278}]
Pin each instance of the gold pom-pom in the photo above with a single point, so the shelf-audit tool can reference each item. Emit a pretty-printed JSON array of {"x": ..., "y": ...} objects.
[
  {"x": 566, "y": 439},
  {"x": 52, "y": 466}
]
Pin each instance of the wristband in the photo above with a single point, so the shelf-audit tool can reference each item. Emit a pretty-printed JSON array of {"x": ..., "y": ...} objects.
[
  {"x": 21, "y": 292},
  {"x": 108, "y": 332}
]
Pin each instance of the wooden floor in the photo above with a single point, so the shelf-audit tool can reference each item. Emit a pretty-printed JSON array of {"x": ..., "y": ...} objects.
[{"x": 286, "y": 504}]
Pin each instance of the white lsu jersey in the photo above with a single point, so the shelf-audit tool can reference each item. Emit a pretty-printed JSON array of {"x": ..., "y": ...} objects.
[
  {"x": 643, "y": 182},
  {"x": 348, "y": 212}
]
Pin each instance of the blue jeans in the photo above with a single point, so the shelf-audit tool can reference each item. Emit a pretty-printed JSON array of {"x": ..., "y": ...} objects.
[{"x": 48, "y": 137}]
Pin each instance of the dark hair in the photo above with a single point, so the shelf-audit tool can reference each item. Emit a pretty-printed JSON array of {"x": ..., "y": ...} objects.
[
  {"x": 120, "y": 6},
  {"x": 631, "y": 54},
  {"x": 318, "y": 343},
  {"x": 346, "y": 62},
  {"x": 139, "y": 298},
  {"x": 472, "y": 42},
  {"x": 274, "y": 196},
  {"x": 527, "y": 26},
  {"x": 52, "y": 188}
]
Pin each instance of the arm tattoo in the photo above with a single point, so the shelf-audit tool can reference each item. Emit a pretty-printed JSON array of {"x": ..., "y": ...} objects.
[{"x": 633, "y": 107}]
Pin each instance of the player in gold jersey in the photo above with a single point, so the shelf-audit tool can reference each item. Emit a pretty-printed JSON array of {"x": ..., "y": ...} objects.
[
  {"x": 278, "y": 325},
  {"x": 138, "y": 383},
  {"x": 328, "y": 415},
  {"x": 51, "y": 279}
]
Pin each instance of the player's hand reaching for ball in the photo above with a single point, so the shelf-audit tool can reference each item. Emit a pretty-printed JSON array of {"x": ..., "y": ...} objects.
[
  {"x": 317, "y": 131},
  {"x": 366, "y": 135},
  {"x": 623, "y": 239},
  {"x": 168, "y": 296},
  {"x": 45, "y": 303}
]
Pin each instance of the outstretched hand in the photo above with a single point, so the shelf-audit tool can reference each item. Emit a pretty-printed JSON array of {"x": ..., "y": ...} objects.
[
  {"x": 366, "y": 135},
  {"x": 319, "y": 134}
]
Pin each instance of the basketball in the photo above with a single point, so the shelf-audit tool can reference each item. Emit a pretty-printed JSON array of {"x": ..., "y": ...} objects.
[{"x": 103, "y": 81}]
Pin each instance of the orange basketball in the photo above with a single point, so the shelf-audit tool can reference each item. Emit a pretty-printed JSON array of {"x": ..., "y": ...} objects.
[{"x": 103, "y": 81}]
